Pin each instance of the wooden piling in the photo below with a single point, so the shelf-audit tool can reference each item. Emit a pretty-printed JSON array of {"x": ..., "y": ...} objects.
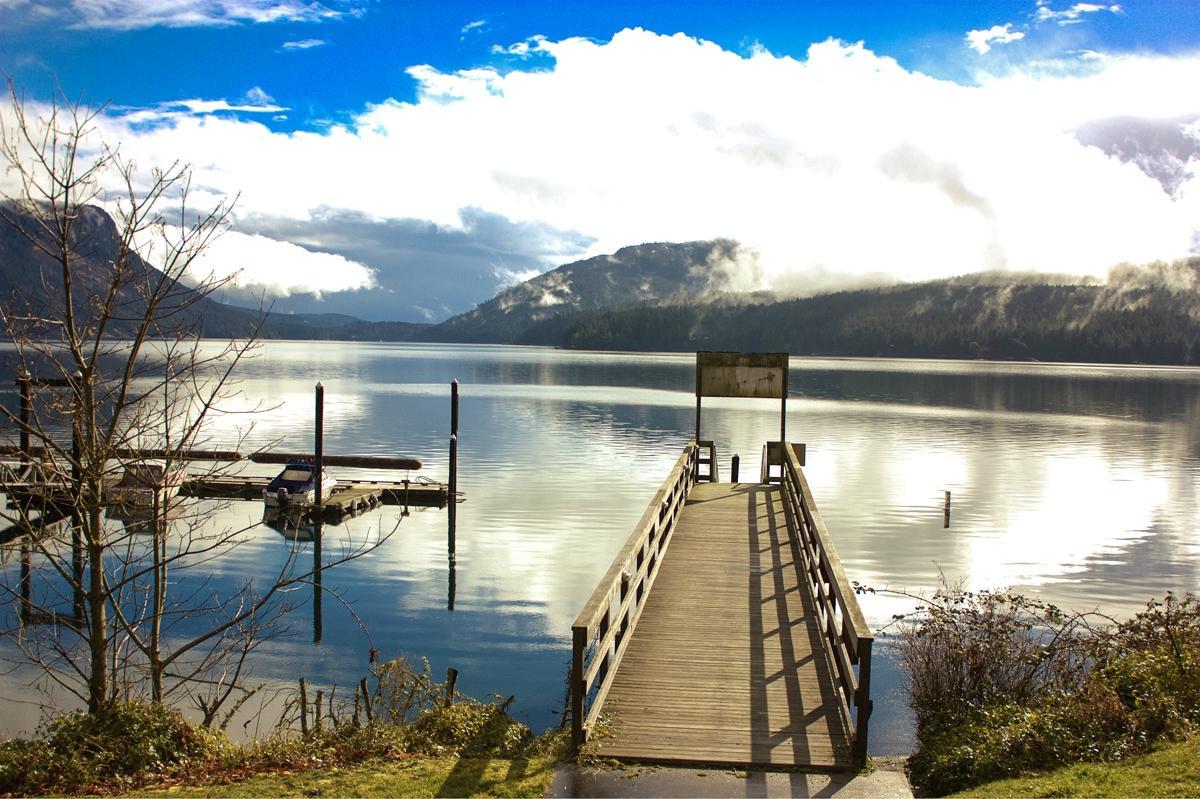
[
  {"x": 451, "y": 679},
  {"x": 26, "y": 410},
  {"x": 452, "y": 507},
  {"x": 366, "y": 700},
  {"x": 76, "y": 521},
  {"x": 303, "y": 707},
  {"x": 26, "y": 602},
  {"x": 319, "y": 440},
  {"x": 946, "y": 511},
  {"x": 733, "y": 468},
  {"x": 318, "y": 624}
]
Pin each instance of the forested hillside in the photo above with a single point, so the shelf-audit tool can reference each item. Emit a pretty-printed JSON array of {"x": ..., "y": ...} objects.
[{"x": 1150, "y": 315}]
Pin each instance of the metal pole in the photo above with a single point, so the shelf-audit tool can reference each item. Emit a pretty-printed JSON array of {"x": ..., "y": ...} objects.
[{"x": 319, "y": 440}]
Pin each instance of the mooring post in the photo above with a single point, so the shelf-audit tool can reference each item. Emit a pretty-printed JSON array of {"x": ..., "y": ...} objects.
[
  {"x": 452, "y": 507},
  {"x": 318, "y": 625},
  {"x": 26, "y": 604},
  {"x": 946, "y": 511},
  {"x": 733, "y": 468},
  {"x": 303, "y": 708},
  {"x": 23, "y": 386},
  {"x": 76, "y": 519},
  {"x": 319, "y": 440},
  {"x": 454, "y": 407},
  {"x": 451, "y": 679}
]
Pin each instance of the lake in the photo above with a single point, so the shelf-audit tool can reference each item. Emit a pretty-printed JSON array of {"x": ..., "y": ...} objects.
[{"x": 1080, "y": 484}]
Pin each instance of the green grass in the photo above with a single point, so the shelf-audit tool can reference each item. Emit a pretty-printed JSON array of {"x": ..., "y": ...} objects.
[
  {"x": 1172, "y": 770},
  {"x": 401, "y": 776}
]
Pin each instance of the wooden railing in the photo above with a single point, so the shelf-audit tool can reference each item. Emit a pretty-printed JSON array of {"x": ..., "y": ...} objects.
[
  {"x": 603, "y": 629},
  {"x": 707, "y": 457},
  {"x": 843, "y": 626}
]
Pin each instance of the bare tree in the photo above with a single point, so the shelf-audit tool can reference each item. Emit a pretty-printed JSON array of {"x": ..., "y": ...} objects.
[{"x": 108, "y": 352}]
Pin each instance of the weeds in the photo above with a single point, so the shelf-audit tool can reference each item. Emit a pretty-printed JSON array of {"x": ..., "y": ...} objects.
[
  {"x": 128, "y": 745},
  {"x": 1001, "y": 684}
]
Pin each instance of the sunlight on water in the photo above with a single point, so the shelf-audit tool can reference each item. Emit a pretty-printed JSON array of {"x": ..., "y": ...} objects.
[{"x": 1078, "y": 483}]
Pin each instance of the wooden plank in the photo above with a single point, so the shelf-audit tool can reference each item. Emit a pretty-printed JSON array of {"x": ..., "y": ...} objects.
[
  {"x": 726, "y": 664},
  {"x": 250, "y": 487}
]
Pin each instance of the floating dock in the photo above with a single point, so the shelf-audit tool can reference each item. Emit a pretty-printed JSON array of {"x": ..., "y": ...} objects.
[{"x": 349, "y": 495}]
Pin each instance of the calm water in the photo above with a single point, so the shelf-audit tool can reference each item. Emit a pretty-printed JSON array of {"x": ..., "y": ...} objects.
[{"x": 1078, "y": 483}]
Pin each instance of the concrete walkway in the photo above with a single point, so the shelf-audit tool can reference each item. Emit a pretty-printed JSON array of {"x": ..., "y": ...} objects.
[{"x": 886, "y": 781}]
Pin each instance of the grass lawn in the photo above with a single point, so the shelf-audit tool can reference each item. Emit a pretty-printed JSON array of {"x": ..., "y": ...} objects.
[
  {"x": 407, "y": 776},
  {"x": 1173, "y": 770}
]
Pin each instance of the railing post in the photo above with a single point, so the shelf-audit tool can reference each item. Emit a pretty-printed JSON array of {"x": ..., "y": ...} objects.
[
  {"x": 578, "y": 645},
  {"x": 862, "y": 701}
]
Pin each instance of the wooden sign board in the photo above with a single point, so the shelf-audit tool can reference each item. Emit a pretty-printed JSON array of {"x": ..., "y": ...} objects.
[{"x": 757, "y": 375}]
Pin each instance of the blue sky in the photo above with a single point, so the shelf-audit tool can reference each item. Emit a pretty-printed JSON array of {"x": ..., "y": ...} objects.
[{"x": 375, "y": 143}]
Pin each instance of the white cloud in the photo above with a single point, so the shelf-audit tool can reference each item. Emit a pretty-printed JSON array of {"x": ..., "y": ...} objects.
[
  {"x": 1072, "y": 15},
  {"x": 522, "y": 49},
  {"x": 136, "y": 14},
  {"x": 981, "y": 41},
  {"x": 843, "y": 162},
  {"x": 255, "y": 101},
  {"x": 304, "y": 44},
  {"x": 258, "y": 264},
  {"x": 474, "y": 25}
]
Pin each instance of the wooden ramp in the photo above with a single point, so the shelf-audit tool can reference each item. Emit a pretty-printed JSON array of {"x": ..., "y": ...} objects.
[
  {"x": 732, "y": 641},
  {"x": 726, "y": 663}
]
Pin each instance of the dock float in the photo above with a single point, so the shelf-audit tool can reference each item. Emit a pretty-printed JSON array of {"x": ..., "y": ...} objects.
[{"x": 416, "y": 493}]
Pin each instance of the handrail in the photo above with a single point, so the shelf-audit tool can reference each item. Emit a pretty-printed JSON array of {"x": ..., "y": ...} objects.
[
  {"x": 605, "y": 625},
  {"x": 709, "y": 460},
  {"x": 841, "y": 619}
]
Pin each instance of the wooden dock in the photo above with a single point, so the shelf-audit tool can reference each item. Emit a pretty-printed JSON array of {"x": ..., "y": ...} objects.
[
  {"x": 725, "y": 631},
  {"x": 349, "y": 496}
]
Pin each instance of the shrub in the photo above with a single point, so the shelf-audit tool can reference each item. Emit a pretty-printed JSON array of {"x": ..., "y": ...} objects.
[
  {"x": 1152, "y": 663},
  {"x": 1001, "y": 684},
  {"x": 964, "y": 651},
  {"x": 115, "y": 746},
  {"x": 1004, "y": 740},
  {"x": 468, "y": 728}
]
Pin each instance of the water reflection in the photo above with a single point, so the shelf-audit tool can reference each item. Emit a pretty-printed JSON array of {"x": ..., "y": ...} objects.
[{"x": 1077, "y": 483}]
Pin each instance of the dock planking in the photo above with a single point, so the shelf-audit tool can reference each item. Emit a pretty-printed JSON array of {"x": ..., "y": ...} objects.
[
  {"x": 348, "y": 493},
  {"x": 726, "y": 664}
]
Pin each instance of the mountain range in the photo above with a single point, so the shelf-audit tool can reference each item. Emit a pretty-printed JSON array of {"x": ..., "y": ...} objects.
[{"x": 684, "y": 297}]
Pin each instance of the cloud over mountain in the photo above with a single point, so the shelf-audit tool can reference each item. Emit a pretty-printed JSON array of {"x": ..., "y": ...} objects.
[{"x": 843, "y": 162}]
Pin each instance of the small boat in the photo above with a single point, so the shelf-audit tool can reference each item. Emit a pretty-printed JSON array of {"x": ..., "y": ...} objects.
[
  {"x": 144, "y": 482},
  {"x": 295, "y": 486}
]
